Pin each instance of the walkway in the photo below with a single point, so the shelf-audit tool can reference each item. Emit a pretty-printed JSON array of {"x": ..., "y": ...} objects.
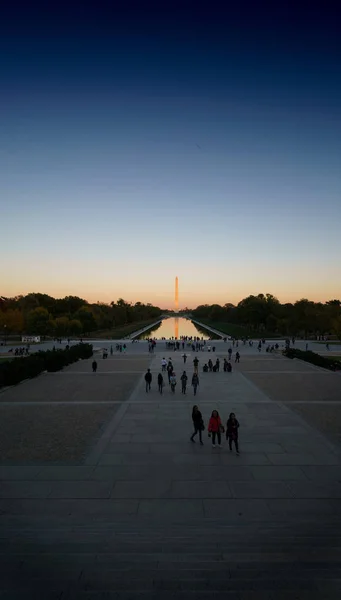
[{"x": 147, "y": 514}]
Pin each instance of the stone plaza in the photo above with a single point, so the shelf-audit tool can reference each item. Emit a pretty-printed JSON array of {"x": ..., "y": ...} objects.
[{"x": 103, "y": 496}]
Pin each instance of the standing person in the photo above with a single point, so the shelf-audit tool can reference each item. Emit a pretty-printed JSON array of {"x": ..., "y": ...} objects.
[
  {"x": 215, "y": 428},
  {"x": 237, "y": 357},
  {"x": 196, "y": 363},
  {"x": 210, "y": 365},
  {"x": 232, "y": 427},
  {"x": 184, "y": 357},
  {"x": 198, "y": 423},
  {"x": 160, "y": 382},
  {"x": 111, "y": 350},
  {"x": 225, "y": 365},
  {"x": 195, "y": 382},
  {"x": 230, "y": 353},
  {"x": 217, "y": 364},
  {"x": 169, "y": 371},
  {"x": 148, "y": 380},
  {"x": 259, "y": 346},
  {"x": 94, "y": 366},
  {"x": 173, "y": 382},
  {"x": 163, "y": 364},
  {"x": 183, "y": 382}
]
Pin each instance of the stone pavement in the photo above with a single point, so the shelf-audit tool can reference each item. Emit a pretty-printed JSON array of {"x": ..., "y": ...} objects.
[{"x": 147, "y": 514}]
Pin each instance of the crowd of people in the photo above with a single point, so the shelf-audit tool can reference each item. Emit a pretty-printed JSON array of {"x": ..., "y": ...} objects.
[
  {"x": 216, "y": 428},
  {"x": 22, "y": 351},
  {"x": 167, "y": 367}
]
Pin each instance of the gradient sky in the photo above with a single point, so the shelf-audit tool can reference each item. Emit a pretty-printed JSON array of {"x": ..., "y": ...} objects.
[{"x": 142, "y": 143}]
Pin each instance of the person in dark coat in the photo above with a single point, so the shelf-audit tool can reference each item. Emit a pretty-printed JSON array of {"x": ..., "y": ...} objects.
[
  {"x": 183, "y": 382},
  {"x": 195, "y": 382},
  {"x": 148, "y": 380},
  {"x": 94, "y": 366},
  {"x": 198, "y": 423},
  {"x": 232, "y": 427},
  {"x": 160, "y": 382},
  {"x": 237, "y": 357}
]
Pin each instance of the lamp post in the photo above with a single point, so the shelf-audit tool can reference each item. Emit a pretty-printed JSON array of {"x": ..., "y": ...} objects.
[{"x": 5, "y": 334}]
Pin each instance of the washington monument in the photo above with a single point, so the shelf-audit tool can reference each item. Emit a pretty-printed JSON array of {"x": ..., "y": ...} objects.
[{"x": 176, "y": 294}]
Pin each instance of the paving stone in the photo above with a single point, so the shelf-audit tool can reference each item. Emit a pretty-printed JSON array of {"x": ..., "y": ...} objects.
[
  {"x": 300, "y": 507},
  {"x": 313, "y": 490},
  {"x": 323, "y": 473},
  {"x": 171, "y": 508},
  {"x": 292, "y": 459},
  {"x": 80, "y": 489},
  {"x": 25, "y": 489},
  {"x": 278, "y": 473},
  {"x": 236, "y": 510},
  {"x": 64, "y": 473},
  {"x": 260, "y": 489},
  {"x": 245, "y": 459},
  {"x": 200, "y": 489},
  {"x": 17, "y": 473},
  {"x": 141, "y": 489}
]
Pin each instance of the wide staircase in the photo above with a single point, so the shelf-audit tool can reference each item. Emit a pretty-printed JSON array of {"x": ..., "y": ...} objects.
[{"x": 149, "y": 559}]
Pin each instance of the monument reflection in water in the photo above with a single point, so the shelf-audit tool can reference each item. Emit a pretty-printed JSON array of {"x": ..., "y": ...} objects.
[{"x": 174, "y": 327}]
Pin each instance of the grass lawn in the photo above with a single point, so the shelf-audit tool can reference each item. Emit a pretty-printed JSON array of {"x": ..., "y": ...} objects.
[
  {"x": 238, "y": 331},
  {"x": 5, "y": 359},
  {"x": 119, "y": 333}
]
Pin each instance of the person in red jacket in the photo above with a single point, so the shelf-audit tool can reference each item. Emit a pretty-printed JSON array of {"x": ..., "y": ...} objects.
[{"x": 215, "y": 428}]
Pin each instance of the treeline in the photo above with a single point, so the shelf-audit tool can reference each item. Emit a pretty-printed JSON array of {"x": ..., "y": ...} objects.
[
  {"x": 40, "y": 314},
  {"x": 264, "y": 313}
]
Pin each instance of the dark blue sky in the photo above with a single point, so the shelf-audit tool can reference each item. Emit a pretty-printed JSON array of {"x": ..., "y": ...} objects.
[{"x": 126, "y": 125}]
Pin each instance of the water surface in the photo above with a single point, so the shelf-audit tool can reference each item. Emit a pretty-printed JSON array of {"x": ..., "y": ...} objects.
[{"x": 174, "y": 327}]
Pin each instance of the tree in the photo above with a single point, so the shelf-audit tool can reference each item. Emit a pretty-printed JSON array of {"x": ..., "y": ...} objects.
[
  {"x": 39, "y": 321},
  {"x": 87, "y": 319},
  {"x": 13, "y": 320},
  {"x": 61, "y": 326},
  {"x": 75, "y": 327}
]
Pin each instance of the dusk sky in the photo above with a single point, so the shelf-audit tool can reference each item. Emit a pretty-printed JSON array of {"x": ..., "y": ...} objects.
[{"x": 142, "y": 143}]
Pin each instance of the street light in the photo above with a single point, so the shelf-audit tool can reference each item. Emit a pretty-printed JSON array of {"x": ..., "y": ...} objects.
[{"x": 5, "y": 328}]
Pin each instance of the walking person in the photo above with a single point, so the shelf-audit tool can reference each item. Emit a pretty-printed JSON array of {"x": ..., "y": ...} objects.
[
  {"x": 184, "y": 357},
  {"x": 160, "y": 382},
  {"x": 169, "y": 371},
  {"x": 196, "y": 364},
  {"x": 148, "y": 379},
  {"x": 172, "y": 382},
  {"x": 94, "y": 366},
  {"x": 232, "y": 427},
  {"x": 217, "y": 364},
  {"x": 183, "y": 382},
  {"x": 225, "y": 365},
  {"x": 237, "y": 357},
  {"x": 198, "y": 423},
  {"x": 230, "y": 353},
  {"x": 163, "y": 364},
  {"x": 215, "y": 428},
  {"x": 195, "y": 382}
]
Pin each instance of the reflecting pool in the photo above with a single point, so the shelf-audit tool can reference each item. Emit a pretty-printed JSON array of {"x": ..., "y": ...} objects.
[{"x": 175, "y": 327}]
